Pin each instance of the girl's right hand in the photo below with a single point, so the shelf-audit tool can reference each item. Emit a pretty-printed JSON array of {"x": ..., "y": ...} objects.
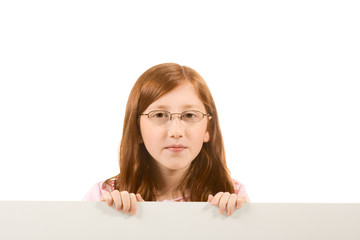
[{"x": 123, "y": 200}]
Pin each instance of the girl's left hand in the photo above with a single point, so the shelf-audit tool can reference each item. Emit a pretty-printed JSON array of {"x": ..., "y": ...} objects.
[{"x": 226, "y": 200}]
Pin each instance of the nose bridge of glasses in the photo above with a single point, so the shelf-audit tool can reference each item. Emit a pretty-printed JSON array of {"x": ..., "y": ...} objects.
[{"x": 171, "y": 116}]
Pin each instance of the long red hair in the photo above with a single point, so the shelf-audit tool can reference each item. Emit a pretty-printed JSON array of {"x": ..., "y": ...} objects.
[{"x": 207, "y": 174}]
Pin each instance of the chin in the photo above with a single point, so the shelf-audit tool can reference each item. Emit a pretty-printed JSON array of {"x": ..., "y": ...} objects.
[{"x": 177, "y": 166}]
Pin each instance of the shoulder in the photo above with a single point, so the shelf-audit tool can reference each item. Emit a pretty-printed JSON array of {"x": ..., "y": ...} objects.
[
  {"x": 109, "y": 186},
  {"x": 240, "y": 189},
  {"x": 97, "y": 190}
]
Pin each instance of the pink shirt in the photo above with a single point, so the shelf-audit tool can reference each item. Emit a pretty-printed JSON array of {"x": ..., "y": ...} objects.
[{"x": 99, "y": 188}]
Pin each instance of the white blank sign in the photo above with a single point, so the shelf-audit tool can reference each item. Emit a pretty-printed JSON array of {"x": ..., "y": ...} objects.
[{"x": 169, "y": 220}]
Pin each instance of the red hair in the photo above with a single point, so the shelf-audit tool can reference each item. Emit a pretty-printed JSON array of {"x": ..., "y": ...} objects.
[{"x": 207, "y": 174}]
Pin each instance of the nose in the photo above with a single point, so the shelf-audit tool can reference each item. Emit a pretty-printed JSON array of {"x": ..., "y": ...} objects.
[{"x": 176, "y": 129}]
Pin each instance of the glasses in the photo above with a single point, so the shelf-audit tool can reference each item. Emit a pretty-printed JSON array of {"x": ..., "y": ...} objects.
[{"x": 188, "y": 117}]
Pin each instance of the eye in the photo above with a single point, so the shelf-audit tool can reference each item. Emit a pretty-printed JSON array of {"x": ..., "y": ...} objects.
[
  {"x": 192, "y": 116},
  {"x": 189, "y": 115},
  {"x": 159, "y": 115}
]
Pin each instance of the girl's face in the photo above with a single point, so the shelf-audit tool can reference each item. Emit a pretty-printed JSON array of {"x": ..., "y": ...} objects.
[{"x": 158, "y": 138}]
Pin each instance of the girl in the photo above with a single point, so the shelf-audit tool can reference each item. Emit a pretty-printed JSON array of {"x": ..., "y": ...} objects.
[{"x": 172, "y": 148}]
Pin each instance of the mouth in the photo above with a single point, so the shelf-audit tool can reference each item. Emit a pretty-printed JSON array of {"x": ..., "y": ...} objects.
[{"x": 176, "y": 148}]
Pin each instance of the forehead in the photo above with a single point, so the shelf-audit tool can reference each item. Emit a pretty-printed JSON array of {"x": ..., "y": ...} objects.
[{"x": 181, "y": 98}]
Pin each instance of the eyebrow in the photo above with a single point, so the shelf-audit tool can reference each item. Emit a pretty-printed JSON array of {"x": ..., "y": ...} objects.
[{"x": 184, "y": 106}]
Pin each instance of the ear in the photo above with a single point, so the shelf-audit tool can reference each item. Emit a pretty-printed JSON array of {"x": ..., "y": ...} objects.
[{"x": 207, "y": 137}]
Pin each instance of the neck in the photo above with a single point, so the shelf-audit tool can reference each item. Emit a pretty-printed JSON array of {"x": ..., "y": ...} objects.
[{"x": 168, "y": 180}]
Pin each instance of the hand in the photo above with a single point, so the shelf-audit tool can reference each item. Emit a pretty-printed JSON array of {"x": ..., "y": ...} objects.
[
  {"x": 226, "y": 200},
  {"x": 123, "y": 200}
]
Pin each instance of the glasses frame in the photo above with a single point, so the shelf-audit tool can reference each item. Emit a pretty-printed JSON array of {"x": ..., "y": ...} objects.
[{"x": 181, "y": 114}]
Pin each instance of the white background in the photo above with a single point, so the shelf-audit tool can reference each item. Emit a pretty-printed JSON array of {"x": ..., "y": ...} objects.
[{"x": 284, "y": 75}]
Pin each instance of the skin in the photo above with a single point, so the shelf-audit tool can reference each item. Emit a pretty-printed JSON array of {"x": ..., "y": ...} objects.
[{"x": 171, "y": 166}]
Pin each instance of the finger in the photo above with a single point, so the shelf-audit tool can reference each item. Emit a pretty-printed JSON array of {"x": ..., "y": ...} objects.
[
  {"x": 107, "y": 197},
  {"x": 231, "y": 204},
  {"x": 117, "y": 199},
  {"x": 102, "y": 197},
  {"x": 223, "y": 202},
  {"x": 210, "y": 198},
  {"x": 139, "y": 198},
  {"x": 133, "y": 204},
  {"x": 216, "y": 198},
  {"x": 125, "y": 197},
  {"x": 239, "y": 202}
]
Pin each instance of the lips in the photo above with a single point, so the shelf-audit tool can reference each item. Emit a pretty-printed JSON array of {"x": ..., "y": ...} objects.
[{"x": 176, "y": 148}]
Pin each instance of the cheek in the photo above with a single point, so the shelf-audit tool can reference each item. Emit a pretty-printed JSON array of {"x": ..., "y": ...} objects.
[
  {"x": 197, "y": 135},
  {"x": 151, "y": 138},
  {"x": 149, "y": 134}
]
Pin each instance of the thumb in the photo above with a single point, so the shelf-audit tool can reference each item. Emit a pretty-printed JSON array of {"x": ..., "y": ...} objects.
[{"x": 139, "y": 198}]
